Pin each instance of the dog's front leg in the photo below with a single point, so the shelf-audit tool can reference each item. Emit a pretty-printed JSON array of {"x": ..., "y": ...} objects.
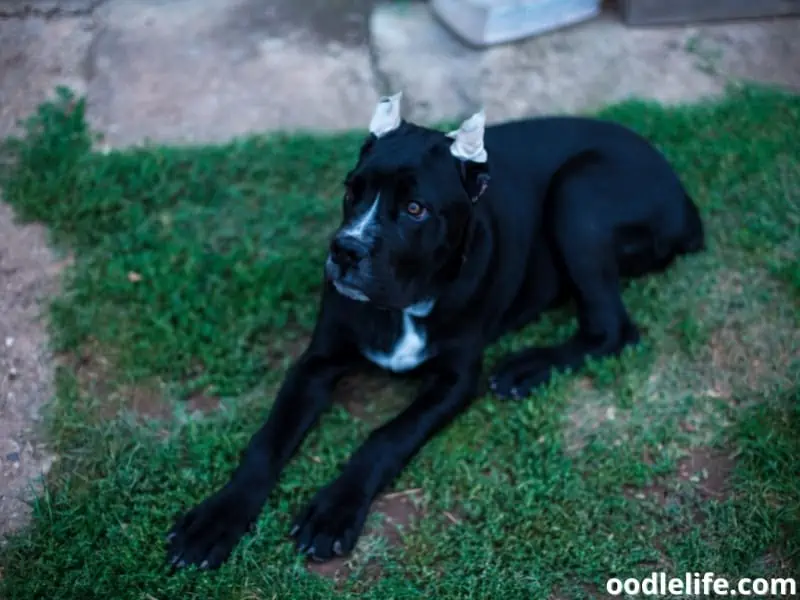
[
  {"x": 207, "y": 534},
  {"x": 332, "y": 522}
]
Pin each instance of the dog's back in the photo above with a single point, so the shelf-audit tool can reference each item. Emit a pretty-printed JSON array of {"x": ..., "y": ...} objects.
[{"x": 596, "y": 174}]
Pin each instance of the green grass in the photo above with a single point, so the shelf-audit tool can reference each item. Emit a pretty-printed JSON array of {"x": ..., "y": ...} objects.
[{"x": 196, "y": 272}]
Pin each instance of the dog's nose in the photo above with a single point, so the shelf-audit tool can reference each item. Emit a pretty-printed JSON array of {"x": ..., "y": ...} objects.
[{"x": 347, "y": 251}]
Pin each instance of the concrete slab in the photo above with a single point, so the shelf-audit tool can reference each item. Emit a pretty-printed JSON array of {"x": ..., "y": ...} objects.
[
  {"x": 341, "y": 21},
  {"x": 204, "y": 70},
  {"x": 576, "y": 68},
  {"x": 36, "y": 55},
  {"x": 415, "y": 54}
]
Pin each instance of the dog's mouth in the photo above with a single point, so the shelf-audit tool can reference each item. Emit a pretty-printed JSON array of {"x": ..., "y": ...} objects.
[{"x": 350, "y": 291}]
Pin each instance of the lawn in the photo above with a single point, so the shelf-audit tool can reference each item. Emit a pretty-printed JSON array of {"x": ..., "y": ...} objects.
[{"x": 195, "y": 280}]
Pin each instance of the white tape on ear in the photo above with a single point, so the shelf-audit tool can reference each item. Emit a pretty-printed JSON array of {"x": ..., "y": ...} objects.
[
  {"x": 386, "y": 117},
  {"x": 468, "y": 139}
]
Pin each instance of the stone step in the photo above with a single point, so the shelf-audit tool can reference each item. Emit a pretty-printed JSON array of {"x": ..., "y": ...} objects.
[{"x": 573, "y": 69}]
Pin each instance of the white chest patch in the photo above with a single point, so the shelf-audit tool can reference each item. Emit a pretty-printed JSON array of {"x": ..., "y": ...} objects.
[{"x": 410, "y": 350}]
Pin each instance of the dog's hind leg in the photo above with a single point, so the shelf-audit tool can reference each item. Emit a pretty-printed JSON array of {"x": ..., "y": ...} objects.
[
  {"x": 646, "y": 249},
  {"x": 604, "y": 329},
  {"x": 588, "y": 257}
]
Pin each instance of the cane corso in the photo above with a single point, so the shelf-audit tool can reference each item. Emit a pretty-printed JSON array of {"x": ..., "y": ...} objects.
[{"x": 448, "y": 241}]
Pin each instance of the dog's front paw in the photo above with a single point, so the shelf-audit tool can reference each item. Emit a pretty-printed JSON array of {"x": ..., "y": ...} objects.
[
  {"x": 206, "y": 535},
  {"x": 519, "y": 375},
  {"x": 331, "y": 523}
]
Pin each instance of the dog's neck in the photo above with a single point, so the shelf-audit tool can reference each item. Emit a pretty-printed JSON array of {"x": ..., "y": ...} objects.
[{"x": 469, "y": 267}]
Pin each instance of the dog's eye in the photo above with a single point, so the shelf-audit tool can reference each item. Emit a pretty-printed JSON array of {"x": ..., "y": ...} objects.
[{"x": 416, "y": 210}]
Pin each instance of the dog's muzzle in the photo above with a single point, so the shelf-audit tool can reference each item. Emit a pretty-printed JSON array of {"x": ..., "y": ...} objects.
[{"x": 345, "y": 265}]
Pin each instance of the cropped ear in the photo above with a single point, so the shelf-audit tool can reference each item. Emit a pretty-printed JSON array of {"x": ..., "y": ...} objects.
[
  {"x": 468, "y": 149},
  {"x": 468, "y": 139},
  {"x": 386, "y": 117}
]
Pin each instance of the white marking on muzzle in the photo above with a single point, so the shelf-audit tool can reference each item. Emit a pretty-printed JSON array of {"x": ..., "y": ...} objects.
[{"x": 359, "y": 228}]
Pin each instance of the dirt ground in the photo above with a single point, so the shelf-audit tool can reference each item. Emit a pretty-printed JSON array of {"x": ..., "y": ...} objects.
[
  {"x": 255, "y": 65},
  {"x": 28, "y": 272}
]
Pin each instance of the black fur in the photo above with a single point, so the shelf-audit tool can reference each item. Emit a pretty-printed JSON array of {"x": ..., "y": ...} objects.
[{"x": 565, "y": 208}]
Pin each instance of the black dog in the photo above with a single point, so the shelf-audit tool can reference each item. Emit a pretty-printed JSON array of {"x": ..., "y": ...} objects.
[{"x": 448, "y": 242}]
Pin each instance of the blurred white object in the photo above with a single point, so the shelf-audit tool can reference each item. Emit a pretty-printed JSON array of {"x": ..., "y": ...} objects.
[{"x": 488, "y": 22}]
